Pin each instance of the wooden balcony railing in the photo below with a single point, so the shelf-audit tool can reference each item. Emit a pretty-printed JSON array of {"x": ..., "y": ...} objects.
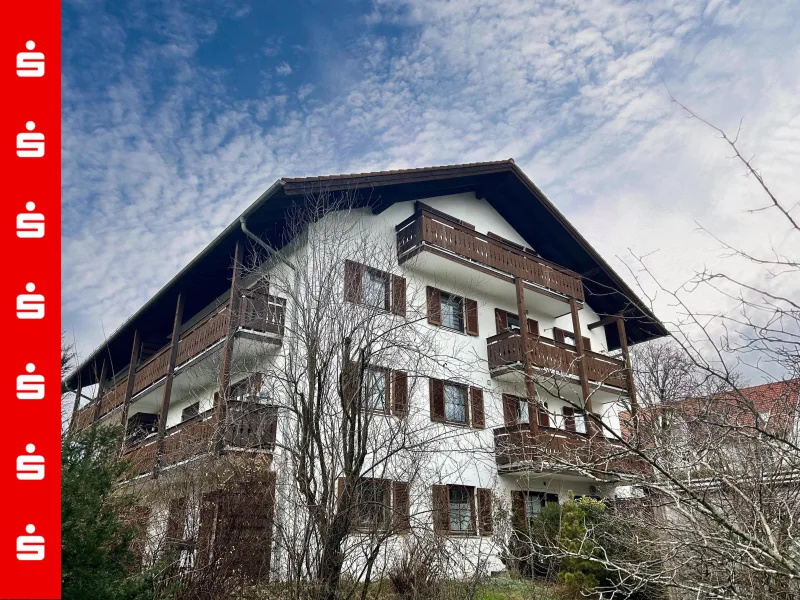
[
  {"x": 257, "y": 312},
  {"x": 250, "y": 426},
  {"x": 428, "y": 229},
  {"x": 519, "y": 449},
  {"x": 505, "y": 351}
]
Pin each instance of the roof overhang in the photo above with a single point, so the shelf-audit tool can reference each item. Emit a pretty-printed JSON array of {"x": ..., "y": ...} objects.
[{"x": 501, "y": 183}]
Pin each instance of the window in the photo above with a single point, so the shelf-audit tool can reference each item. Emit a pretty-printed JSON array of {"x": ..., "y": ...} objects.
[
  {"x": 533, "y": 506},
  {"x": 522, "y": 410},
  {"x": 512, "y": 321},
  {"x": 460, "y": 509},
  {"x": 567, "y": 337},
  {"x": 373, "y": 503},
  {"x": 375, "y": 389},
  {"x": 190, "y": 411},
  {"x": 375, "y": 285},
  {"x": 580, "y": 421},
  {"x": 455, "y": 403},
  {"x": 574, "y": 419},
  {"x": 453, "y": 312}
]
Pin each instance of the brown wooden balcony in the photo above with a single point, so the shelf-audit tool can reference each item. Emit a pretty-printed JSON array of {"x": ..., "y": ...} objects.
[
  {"x": 505, "y": 356},
  {"x": 251, "y": 426},
  {"x": 517, "y": 449},
  {"x": 430, "y": 230},
  {"x": 258, "y": 312}
]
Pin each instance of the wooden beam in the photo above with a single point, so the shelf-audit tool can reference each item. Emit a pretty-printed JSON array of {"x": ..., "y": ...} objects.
[
  {"x": 591, "y": 272},
  {"x": 603, "y": 322},
  {"x": 75, "y": 406},
  {"x": 530, "y": 388},
  {"x": 126, "y": 401},
  {"x": 101, "y": 383},
  {"x": 582, "y": 370},
  {"x": 173, "y": 356},
  {"x": 221, "y": 404},
  {"x": 623, "y": 344}
]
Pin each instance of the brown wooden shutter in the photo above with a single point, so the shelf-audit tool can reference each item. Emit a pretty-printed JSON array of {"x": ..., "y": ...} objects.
[
  {"x": 400, "y": 393},
  {"x": 471, "y": 313},
  {"x": 205, "y": 532},
  {"x": 434, "y": 306},
  {"x": 500, "y": 320},
  {"x": 569, "y": 418},
  {"x": 544, "y": 417},
  {"x": 485, "y": 511},
  {"x": 353, "y": 281},
  {"x": 399, "y": 295},
  {"x": 533, "y": 326},
  {"x": 587, "y": 344},
  {"x": 510, "y": 410},
  {"x": 402, "y": 507},
  {"x": 436, "y": 391},
  {"x": 176, "y": 521},
  {"x": 339, "y": 489},
  {"x": 558, "y": 334},
  {"x": 351, "y": 383},
  {"x": 441, "y": 509},
  {"x": 519, "y": 518},
  {"x": 476, "y": 405}
]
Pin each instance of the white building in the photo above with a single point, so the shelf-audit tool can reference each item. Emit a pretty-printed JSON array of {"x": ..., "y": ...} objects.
[{"x": 448, "y": 258}]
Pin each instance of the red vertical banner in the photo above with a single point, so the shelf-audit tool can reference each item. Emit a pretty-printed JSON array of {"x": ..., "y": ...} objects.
[{"x": 30, "y": 158}]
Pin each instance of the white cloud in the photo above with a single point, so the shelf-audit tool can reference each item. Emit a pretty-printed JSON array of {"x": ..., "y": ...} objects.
[
  {"x": 572, "y": 90},
  {"x": 283, "y": 69}
]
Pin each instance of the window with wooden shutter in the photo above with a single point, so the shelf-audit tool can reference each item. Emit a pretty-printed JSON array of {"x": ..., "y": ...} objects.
[
  {"x": 441, "y": 509},
  {"x": 436, "y": 391},
  {"x": 533, "y": 326},
  {"x": 485, "y": 511},
  {"x": 399, "y": 295},
  {"x": 510, "y": 410},
  {"x": 176, "y": 523},
  {"x": 434, "y": 306},
  {"x": 476, "y": 406},
  {"x": 544, "y": 416},
  {"x": 558, "y": 335},
  {"x": 569, "y": 418},
  {"x": 401, "y": 503},
  {"x": 500, "y": 320},
  {"x": 353, "y": 274},
  {"x": 373, "y": 504},
  {"x": 587, "y": 344},
  {"x": 400, "y": 393},
  {"x": 471, "y": 313},
  {"x": 518, "y": 513}
]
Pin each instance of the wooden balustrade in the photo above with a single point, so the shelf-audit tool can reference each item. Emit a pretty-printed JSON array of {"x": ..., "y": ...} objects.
[
  {"x": 434, "y": 230},
  {"x": 251, "y": 426},
  {"x": 505, "y": 351},
  {"x": 550, "y": 449},
  {"x": 258, "y": 312}
]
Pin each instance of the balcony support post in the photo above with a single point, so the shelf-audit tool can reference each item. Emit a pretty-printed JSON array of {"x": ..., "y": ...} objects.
[
  {"x": 582, "y": 366},
  {"x": 623, "y": 344},
  {"x": 126, "y": 401},
  {"x": 75, "y": 407},
  {"x": 530, "y": 388},
  {"x": 101, "y": 387},
  {"x": 221, "y": 404},
  {"x": 173, "y": 357}
]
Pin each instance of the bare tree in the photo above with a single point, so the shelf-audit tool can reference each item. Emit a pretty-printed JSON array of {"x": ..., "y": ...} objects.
[{"x": 718, "y": 489}]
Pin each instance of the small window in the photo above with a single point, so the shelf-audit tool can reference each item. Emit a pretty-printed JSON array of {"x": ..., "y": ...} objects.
[
  {"x": 375, "y": 389},
  {"x": 533, "y": 505},
  {"x": 455, "y": 403},
  {"x": 512, "y": 321},
  {"x": 453, "y": 312},
  {"x": 460, "y": 509},
  {"x": 373, "y": 508},
  {"x": 190, "y": 411},
  {"x": 522, "y": 411},
  {"x": 376, "y": 288}
]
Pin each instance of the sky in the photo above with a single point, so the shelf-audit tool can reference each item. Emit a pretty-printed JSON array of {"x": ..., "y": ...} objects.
[{"x": 178, "y": 114}]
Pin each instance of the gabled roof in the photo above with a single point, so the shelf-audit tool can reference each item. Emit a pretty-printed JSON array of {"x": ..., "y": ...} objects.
[{"x": 501, "y": 183}]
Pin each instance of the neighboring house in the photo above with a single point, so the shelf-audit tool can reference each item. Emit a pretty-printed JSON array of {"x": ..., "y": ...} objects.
[
  {"x": 501, "y": 272},
  {"x": 687, "y": 433}
]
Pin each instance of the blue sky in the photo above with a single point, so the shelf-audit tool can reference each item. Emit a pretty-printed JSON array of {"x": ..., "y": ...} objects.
[{"x": 178, "y": 114}]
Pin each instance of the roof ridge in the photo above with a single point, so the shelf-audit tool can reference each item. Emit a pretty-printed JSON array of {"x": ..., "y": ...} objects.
[{"x": 509, "y": 161}]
